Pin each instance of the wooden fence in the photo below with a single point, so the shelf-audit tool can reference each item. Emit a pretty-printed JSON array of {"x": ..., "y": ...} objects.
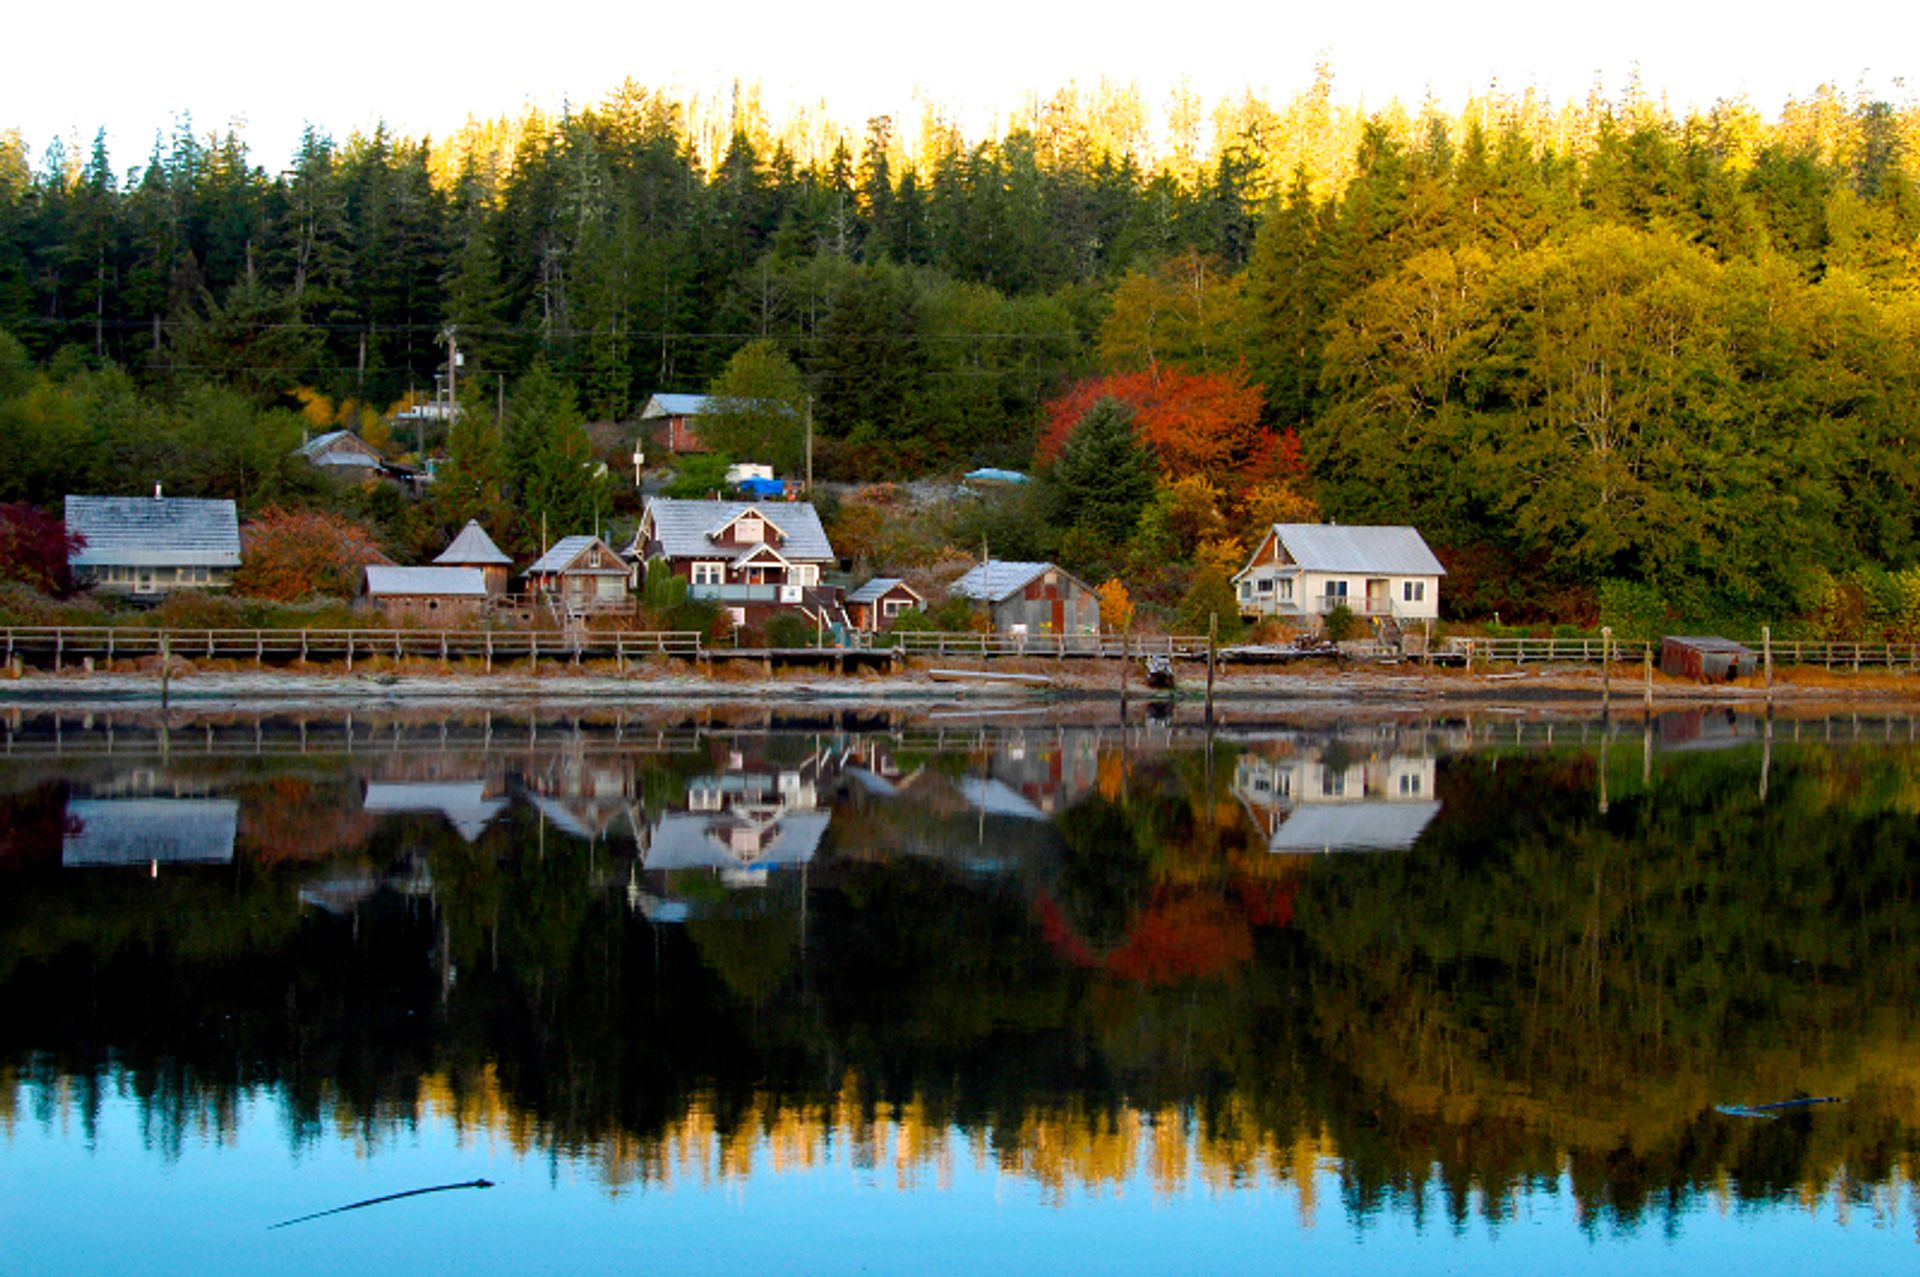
[
  {"x": 60, "y": 646},
  {"x": 1056, "y": 646},
  {"x": 1541, "y": 651}
]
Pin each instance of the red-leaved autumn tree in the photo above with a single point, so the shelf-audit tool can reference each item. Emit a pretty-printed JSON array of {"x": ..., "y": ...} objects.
[
  {"x": 1205, "y": 424},
  {"x": 294, "y": 554},
  {"x": 35, "y": 547}
]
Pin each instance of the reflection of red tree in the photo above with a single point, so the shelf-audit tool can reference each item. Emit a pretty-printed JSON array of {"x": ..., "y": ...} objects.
[
  {"x": 297, "y": 820},
  {"x": 1180, "y": 935},
  {"x": 34, "y": 826}
]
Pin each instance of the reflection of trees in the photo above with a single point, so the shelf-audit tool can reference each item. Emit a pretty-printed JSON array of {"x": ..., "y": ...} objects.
[{"x": 1537, "y": 988}]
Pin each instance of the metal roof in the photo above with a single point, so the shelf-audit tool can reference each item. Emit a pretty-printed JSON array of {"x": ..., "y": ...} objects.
[
  {"x": 676, "y": 406},
  {"x": 873, "y": 591},
  {"x": 566, "y": 550},
  {"x": 154, "y": 532},
  {"x": 996, "y": 579},
  {"x": 1335, "y": 547},
  {"x": 696, "y": 840},
  {"x": 320, "y": 450},
  {"x": 683, "y": 528},
  {"x": 463, "y": 802},
  {"x": 464, "y": 582},
  {"x": 1361, "y": 826},
  {"x": 134, "y": 831},
  {"x": 473, "y": 548}
]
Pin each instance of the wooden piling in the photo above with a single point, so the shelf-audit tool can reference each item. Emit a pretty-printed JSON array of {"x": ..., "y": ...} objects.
[{"x": 1213, "y": 634}]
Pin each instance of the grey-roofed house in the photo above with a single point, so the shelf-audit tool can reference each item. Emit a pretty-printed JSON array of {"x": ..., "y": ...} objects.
[
  {"x": 1031, "y": 598},
  {"x": 140, "y": 831},
  {"x": 671, "y": 418},
  {"x": 1319, "y": 801},
  {"x": 343, "y": 452},
  {"x": 151, "y": 546},
  {"x": 583, "y": 573},
  {"x": 1303, "y": 571},
  {"x": 428, "y": 596},
  {"x": 753, "y": 558},
  {"x": 473, "y": 548},
  {"x": 875, "y": 606}
]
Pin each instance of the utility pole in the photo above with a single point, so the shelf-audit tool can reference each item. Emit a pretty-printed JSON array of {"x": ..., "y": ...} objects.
[{"x": 809, "y": 447}]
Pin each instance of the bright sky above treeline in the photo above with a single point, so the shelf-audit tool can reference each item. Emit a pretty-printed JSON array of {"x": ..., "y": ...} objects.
[{"x": 133, "y": 68}]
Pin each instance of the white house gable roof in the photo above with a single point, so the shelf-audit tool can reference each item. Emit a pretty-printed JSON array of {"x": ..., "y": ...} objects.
[
  {"x": 1332, "y": 547},
  {"x": 683, "y": 529},
  {"x": 741, "y": 513},
  {"x": 761, "y": 550},
  {"x": 154, "y": 532}
]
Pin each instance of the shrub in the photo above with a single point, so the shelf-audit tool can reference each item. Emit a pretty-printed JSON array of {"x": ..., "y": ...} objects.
[
  {"x": 789, "y": 629},
  {"x": 1340, "y": 623}
]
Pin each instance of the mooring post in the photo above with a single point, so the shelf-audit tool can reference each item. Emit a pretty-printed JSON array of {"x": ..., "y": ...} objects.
[
  {"x": 1646, "y": 662},
  {"x": 166, "y": 669},
  {"x": 1606, "y": 669},
  {"x": 1213, "y": 634},
  {"x": 1126, "y": 661},
  {"x": 1766, "y": 656}
]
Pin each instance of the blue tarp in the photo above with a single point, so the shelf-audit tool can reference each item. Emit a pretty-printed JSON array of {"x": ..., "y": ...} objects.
[
  {"x": 991, "y": 475},
  {"x": 762, "y": 488}
]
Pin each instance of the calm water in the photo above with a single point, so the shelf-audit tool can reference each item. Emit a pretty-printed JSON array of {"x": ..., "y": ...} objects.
[{"x": 932, "y": 993}]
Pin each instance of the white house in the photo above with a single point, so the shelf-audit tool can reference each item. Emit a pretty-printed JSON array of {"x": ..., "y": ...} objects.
[{"x": 1305, "y": 570}]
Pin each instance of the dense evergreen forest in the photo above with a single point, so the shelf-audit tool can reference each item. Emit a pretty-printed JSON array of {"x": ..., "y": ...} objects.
[{"x": 1632, "y": 360}]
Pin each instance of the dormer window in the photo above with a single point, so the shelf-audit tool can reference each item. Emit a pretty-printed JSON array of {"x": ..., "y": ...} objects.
[{"x": 749, "y": 530}]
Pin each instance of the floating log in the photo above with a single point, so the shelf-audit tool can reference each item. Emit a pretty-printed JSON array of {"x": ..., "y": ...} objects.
[{"x": 989, "y": 676}]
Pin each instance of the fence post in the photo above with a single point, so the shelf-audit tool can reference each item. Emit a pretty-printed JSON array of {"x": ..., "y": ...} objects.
[
  {"x": 349, "y": 649},
  {"x": 303, "y": 647},
  {"x": 166, "y": 669},
  {"x": 1606, "y": 668},
  {"x": 489, "y": 651},
  {"x": 1646, "y": 661}
]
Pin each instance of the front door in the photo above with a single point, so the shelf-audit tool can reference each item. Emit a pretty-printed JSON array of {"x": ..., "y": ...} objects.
[{"x": 1379, "y": 599}]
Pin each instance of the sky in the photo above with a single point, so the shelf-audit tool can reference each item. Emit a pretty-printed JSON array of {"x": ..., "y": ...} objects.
[{"x": 133, "y": 68}]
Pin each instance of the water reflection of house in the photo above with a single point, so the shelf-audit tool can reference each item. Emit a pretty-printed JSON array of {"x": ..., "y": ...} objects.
[
  {"x": 585, "y": 797},
  {"x": 1320, "y": 800},
  {"x": 741, "y": 824},
  {"x": 466, "y": 804},
  {"x": 156, "y": 831}
]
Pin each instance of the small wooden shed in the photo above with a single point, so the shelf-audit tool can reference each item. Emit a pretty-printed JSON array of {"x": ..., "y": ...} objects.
[
  {"x": 427, "y": 596},
  {"x": 876, "y": 605},
  {"x": 473, "y": 548},
  {"x": 1713, "y": 660}
]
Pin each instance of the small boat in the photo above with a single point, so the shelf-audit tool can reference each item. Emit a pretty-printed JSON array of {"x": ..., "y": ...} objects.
[{"x": 1160, "y": 672}]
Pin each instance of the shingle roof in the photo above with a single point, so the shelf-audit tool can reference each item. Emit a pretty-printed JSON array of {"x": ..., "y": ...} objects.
[
  {"x": 1360, "y": 826},
  {"x": 682, "y": 527},
  {"x": 1333, "y": 547},
  {"x": 154, "y": 532},
  {"x": 996, "y": 579},
  {"x": 462, "y": 582},
  {"x": 463, "y": 802},
  {"x": 872, "y": 591},
  {"x": 473, "y": 548},
  {"x": 566, "y": 550}
]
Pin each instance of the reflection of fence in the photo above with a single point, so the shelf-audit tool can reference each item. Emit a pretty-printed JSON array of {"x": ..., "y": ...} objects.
[
  {"x": 998, "y": 643},
  {"x": 60, "y": 646},
  {"x": 1832, "y": 656}
]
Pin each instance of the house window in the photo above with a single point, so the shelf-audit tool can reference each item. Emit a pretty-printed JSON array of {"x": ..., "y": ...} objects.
[
  {"x": 893, "y": 607},
  {"x": 1285, "y": 585},
  {"x": 709, "y": 573},
  {"x": 1266, "y": 585},
  {"x": 748, "y": 530},
  {"x": 1413, "y": 591},
  {"x": 806, "y": 574},
  {"x": 1409, "y": 786},
  {"x": 1246, "y": 589},
  {"x": 1336, "y": 589}
]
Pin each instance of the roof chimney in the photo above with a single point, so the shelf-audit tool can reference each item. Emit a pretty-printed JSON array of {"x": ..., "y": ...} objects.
[{"x": 156, "y": 492}]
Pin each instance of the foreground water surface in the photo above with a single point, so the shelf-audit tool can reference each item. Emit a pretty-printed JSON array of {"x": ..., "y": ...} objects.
[{"x": 934, "y": 992}]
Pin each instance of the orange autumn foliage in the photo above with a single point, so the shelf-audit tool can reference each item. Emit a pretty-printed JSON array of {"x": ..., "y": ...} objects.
[
  {"x": 295, "y": 554},
  {"x": 1205, "y": 424}
]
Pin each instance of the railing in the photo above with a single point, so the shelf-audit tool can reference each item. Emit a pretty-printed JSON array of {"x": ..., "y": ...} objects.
[
  {"x": 980, "y": 644},
  {"x": 1540, "y": 651},
  {"x": 62, "y": 645}
]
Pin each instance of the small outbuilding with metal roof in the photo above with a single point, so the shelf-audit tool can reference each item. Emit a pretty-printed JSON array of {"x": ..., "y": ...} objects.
[
  {"x": 473, "y": 548},
  {"x": 427, "y": 596},
  {"x": 1031, "y": 598},
  {"x": 1716, "y": 660},
  {"x": 582, "y": 572},
  {"x": 876, "y": 605}
]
